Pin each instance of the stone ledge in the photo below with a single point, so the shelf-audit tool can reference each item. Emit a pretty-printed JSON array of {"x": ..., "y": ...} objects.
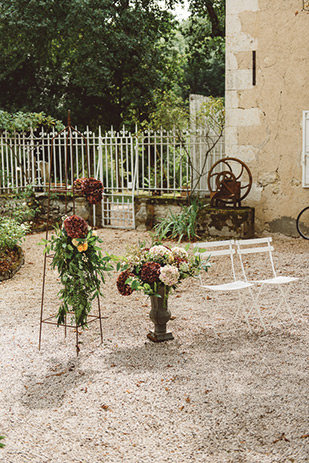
[{"x": 226, "y": 222}]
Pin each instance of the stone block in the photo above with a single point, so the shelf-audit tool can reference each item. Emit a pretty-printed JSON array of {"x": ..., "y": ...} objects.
[
  {"x": 240, "y": 79},
  {"x": 243, "y": 117},
  {"x": 226, "y": 222}
]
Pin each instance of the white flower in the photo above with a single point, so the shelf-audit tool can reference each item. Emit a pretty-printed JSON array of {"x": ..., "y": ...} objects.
[
  {"x": 180, "y": 252},
  {"x": 169, "y": 275},
  {"x": 184, "y": 267},
  {"x": 161, "y": 252},
  {"x": 133, "y": 260},
  {"x": 84, "y": 257}
]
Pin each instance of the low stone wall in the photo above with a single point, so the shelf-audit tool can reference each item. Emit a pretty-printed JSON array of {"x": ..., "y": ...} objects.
[
  {"x": 149, "y": 210},
  {"x": 211, "y": 222},
  {"x": 58, "y": 208}
]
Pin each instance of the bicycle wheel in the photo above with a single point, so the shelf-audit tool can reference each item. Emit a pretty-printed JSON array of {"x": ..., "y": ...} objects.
[{"x": 302, "y": 223}]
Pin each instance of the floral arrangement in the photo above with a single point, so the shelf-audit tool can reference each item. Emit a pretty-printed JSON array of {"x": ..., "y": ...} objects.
[
  {"x": 81, "y": 267},
  {"x": 148, "y": 269},
  {"x": 91, "y": 188}
]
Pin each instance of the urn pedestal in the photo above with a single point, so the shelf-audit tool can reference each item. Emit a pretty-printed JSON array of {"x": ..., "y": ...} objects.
[{"x": 159, "y": 315}]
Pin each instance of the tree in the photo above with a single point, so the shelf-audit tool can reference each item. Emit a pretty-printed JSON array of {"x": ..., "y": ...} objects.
[
  {"x": 214, "y": 10},
  {"x": 100, "y": 58},
  {"x": 204, "y": 70}
]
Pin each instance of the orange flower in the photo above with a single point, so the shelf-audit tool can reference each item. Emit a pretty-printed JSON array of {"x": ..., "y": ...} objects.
[{"x": 82, "y": 247}]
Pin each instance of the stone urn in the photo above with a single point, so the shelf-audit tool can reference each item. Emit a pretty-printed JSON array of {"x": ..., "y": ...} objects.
[{"x": 160, "y": 315}]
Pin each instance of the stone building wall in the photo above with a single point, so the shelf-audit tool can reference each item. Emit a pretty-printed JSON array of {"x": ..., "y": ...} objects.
[{"x": 264, "y": 121}]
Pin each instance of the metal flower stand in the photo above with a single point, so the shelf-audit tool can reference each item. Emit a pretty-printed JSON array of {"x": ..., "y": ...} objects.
[{"x": 74, "y": 140}]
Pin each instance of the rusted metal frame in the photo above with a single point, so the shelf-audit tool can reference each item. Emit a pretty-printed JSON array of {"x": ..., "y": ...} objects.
[{"x": 68, "y": 149}]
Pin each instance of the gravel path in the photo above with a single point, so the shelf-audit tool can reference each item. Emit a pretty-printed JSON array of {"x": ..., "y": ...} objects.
[{"x": 242, "y": 398}]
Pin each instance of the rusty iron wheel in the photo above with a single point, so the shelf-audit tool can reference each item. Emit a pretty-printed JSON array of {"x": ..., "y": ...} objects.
[{"x": 231, "y": 169}]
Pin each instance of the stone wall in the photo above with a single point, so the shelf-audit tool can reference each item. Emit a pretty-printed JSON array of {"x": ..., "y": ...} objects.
[
  {"x": 58, "y": 207},
  {"x": 211, "y": 222},
  {"x": 149, "y": 210},
  {"x": 264, "y": 121}
]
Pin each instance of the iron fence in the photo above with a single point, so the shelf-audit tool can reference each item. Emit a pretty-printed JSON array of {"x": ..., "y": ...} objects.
[{"x": 153, "y": 162}]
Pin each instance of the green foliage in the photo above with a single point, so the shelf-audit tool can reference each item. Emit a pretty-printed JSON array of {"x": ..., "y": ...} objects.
[
  {"x": 204, "y": 68},
  {"x": 1, "y": 444},
  {"x": 179, "y": 226},
  {"x": 211, "y": 115},
  {"x": 102, "y": 59},
  {"x": 171, "y": 111},
  {"x": 106, "y": 60},
  {"x": 81, "y": 267},
  {"x": 214, "y": 12},
  {"x": 23, "y": 122},
  {"x": 11, "y": 233},
  {"x": 22, "y": 206}
]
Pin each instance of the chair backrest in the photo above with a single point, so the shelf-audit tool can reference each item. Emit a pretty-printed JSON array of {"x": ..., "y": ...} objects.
[
  {"x": 217, "y": 248},
  {"x": 255, "y": 246}
]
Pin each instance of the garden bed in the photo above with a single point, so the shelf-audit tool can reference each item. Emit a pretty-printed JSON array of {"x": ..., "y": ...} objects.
[{"x": 10, "y": 262}]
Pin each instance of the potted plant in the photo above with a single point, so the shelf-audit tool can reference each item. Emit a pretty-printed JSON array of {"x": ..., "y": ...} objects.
[{"x": 157, "y": 271}]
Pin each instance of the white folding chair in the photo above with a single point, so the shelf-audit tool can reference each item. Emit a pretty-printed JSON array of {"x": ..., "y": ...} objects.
[
  {"x": 263, "y": 246},
  {"x": 223, "y": 248}
]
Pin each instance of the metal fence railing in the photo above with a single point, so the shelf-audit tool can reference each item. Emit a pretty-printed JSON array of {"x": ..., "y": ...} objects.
[{"x": 150, "y": 161}]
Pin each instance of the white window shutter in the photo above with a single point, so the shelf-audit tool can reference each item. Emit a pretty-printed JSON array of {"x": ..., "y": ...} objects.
[{"x": 305, "y": 157}]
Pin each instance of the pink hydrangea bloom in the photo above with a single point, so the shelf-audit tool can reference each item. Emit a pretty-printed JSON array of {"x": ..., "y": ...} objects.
[{"x": 169, "y": 275}]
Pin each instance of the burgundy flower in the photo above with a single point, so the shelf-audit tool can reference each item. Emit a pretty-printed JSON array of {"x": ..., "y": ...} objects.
[
  {"x": 91, "y": 188},
  {"x": 78, "y": 183},
  {"x": 150, "y": 272},
  {"x": 124, "y": 288},
  {"x": 76, "y": 227}
]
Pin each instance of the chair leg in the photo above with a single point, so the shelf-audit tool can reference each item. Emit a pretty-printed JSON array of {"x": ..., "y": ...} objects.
[
  {"x": 210, "y": 317},
  {"x": 282, "y": 300},
  {"x": 283, "y": 294},
  {"x": 256, "y": 307},
  {"x": 243, "y": 310}
]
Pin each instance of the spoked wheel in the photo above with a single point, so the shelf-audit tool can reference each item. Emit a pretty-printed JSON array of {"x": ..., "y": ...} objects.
[
  {"x": 302, "y": 223},
  {"x": 230, "y": 169}
]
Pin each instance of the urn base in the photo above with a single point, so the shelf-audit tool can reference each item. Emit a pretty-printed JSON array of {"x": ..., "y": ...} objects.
[{"x": 160, "y": 337}]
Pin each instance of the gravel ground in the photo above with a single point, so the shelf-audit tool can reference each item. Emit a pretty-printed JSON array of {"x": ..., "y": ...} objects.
[{"x": 238, "y": 398}]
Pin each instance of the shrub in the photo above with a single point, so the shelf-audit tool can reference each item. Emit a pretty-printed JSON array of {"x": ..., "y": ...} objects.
[
  {"x": 22, "y": 206},
  {"x": 11, "y": 233}
]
